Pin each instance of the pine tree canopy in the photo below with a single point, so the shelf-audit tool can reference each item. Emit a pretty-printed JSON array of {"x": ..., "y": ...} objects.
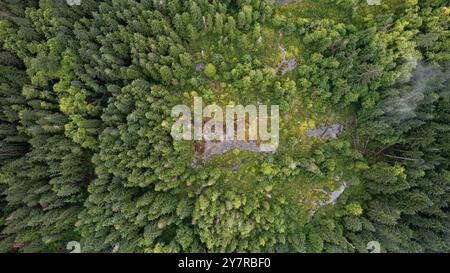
[{"x": 88, "y": 153}]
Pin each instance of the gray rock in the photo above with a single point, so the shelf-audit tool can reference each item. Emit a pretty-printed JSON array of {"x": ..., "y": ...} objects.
[
  {"x": 333, "y": 196},
  {"x": 199, "y": 67},
  {"x": 286, "y": 1},
  {"x": 287, "y": 65},
  {"x": 326, "y": 132}
]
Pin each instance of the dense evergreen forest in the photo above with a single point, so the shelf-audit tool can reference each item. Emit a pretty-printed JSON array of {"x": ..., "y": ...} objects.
[{"x": 86, "y": 152}]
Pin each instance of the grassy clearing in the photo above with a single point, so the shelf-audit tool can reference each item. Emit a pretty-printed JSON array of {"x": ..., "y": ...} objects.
[{"x": 242, "y": 169}]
